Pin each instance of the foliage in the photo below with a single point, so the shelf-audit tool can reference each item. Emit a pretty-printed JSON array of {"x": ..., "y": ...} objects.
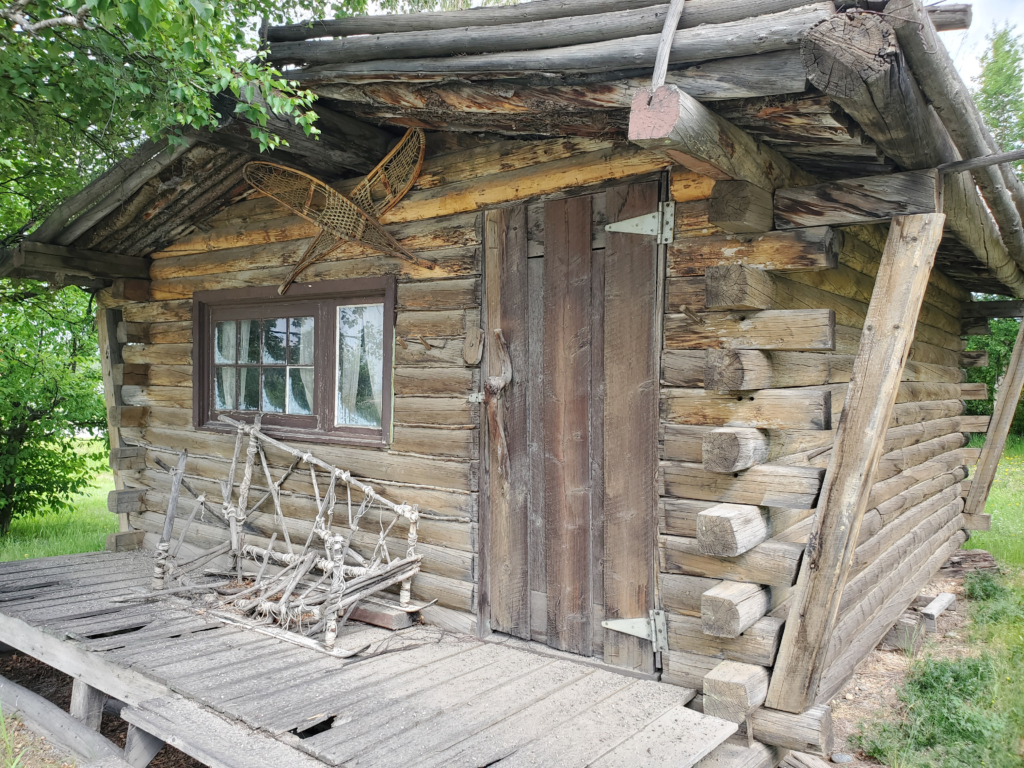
[
  {"x": 81, "y": 528},
  {"x": 9, "y": 753},
  {"x": 1000, "y": 92},
  {"x": 1006, "y": 505},
  {"x": 50, "y": 386},
  {"x": 999, "y": 345}
]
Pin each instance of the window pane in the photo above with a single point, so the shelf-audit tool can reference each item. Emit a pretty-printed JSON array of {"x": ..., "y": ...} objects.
[
  {"x": 300, "y": 390},
  {"x": 273, "y": 390},
  {"x": 300, "y": 341},
  {"x": 224, "y": 389},
  {"x": 360, "y": 365},
  {"x": 224, "y": 343},
  {"x": 249, "y": 387},
  {"x": 249, "y": 346},
  {"x": 274, "y": 340}
]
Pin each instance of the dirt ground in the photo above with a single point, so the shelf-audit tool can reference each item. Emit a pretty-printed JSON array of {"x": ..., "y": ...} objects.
[
  {"x": 56, "y": 687},
  {"x": 872, "y": 690}
]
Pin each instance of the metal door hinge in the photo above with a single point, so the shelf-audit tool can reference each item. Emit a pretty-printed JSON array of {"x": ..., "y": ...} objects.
[
  {"x": 660, "y": 223},
  {"x": 654, "y": 629}
]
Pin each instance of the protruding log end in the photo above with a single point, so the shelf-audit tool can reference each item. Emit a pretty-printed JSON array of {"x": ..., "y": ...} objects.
[
  {"x": 736, "y": 286},
  {"x": 729, "y": 530},
  {"x": 740, "y": 207},
  {"x": 730, "y": 608},
  {"x": 733, "y": 449},
  {"x": 733, "y": 690},
  {"x": 737, "y": 370}
]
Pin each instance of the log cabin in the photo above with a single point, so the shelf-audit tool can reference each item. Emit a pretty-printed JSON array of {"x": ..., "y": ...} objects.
[{"x": 668, "y": 353}]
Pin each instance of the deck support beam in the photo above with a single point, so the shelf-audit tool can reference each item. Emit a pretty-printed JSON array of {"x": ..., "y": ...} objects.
[{"x": 889, "y": 328}]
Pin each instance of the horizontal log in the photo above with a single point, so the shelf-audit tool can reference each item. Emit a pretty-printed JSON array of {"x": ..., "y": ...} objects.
[
  {"x": 810, "y": 249},
  {"x": 682, "y": 594},
  {"x": 157, "y": 396},
  {"x": 974, "y": 391},
  {"x": 974, "y": 359},
  {"x": 128, "y": 416},
  {"x": 685, "y": 442},
  {"x": 460, "y": 293},
  {"x": 843, "y": 666},
  {"x": 732, "y": 449},
  {"x": 791, "y": 330},
  {"x": 757, "y": 645},
  {"x": 978, "y": 522},
  {"x": 678, "y": 517},
  {"x": 422, "y": 380},
  {"x": 810, "y": 732},
  {"x": 779, "y": 31},
  {"x": 438, "y": 352},
  {"x": 162, "y": 375},
  {"x": 739, "y": 207},
  {"x": 732, "y": 690},
  {"x": 888, "y": 510},
  {"x": 49, "y": 259},
  {"x": 122, "y": 502},
  {"x": 888, "y": 489},
  {"x": 127, "y": 459},
  {"x": 772, "y": 562},
  {"x": 729, "y": 530},
  {"x": 686, "y": 669},
  {"x": 975, "y": 327},
  {"x": 798, "y": 408},
  {"x": 739, "y": 370},
  {"x": 975, "y": 423},
  {"x": 987, "y": 309},
  {"x": 461, "y": 443},
  {"x": 858, "y": 201},
  {"x": 447, "y": 411},
  {"x": 158, "y": 311}
]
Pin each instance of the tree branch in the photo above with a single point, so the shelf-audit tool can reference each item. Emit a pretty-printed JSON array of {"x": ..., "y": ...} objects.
[{"x": 14, "y": 14}]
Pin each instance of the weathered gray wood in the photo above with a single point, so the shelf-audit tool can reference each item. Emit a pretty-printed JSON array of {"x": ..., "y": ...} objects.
[
  {"x": 769, "y": 485},
  {"x": 730, "y": 608},
  {"x": 987, "y": 309},
  {"x": 631, "y": 351},
  {"x": 729, "y": 530},
  {"x": 140, "y": 747},
  {"x": 858, "y": 201},
  {"x": 895, "y": 303},
  {"x": 771, "y": 562},
  {"x": 733, "y": 690},
  {"x": 931, "y": 612},
  {"x": 780, "y": 31},
  {"x": 46, "y": 260},
  {"x": 757, "y": 645},
  {"x": 733, "y": 449},
  {"x": 699, "y": 13},
  {"x": 953, "y": 103},
  {"x": 855, "y": 59},
  {"x": 51, "y": 721},
  {"x": 735, "y": 755},
  {"x": 668, "y": 31},
  {"x": 735, "y": 286},
  {"x": 811, "y": 249},
  {"x": 995, "y": 439}
]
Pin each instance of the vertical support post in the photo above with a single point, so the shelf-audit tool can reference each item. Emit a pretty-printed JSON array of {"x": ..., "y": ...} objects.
[
  {"x": 888, "y": 332},
  {"x": 140, "y": 747},
  {"x": 998, "y": 429},
  {"x": 110, "y": 355},
  {"x": 87, "y": 704},
  {"x": 507, "y": 483}
]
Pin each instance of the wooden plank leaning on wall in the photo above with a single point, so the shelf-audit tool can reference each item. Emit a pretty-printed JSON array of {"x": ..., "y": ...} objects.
[{"x": 895, "y": 304}]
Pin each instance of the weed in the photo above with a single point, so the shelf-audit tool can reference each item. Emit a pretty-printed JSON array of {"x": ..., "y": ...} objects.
[{"x": 11, "y": 758}]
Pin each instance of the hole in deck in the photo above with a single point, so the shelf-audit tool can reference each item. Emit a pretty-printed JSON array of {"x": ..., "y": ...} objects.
[
  {"x": 116, "y": 632},
  {"x": 313, "y": 730}
]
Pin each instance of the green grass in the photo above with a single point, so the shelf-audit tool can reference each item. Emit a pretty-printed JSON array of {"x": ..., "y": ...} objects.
[
  {"x": 83, "y": 528},
  {"x": 970, "y": 711},
  {"x": 1006, "y": 505}
]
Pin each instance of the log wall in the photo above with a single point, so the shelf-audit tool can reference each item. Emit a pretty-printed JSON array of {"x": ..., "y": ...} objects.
[
  {"x": 760, "y": 335},
  {"x": 433, "y": 459}
]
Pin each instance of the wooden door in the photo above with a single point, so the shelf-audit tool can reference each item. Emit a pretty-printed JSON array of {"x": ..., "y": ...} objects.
[{"x": 569, "y": 517}]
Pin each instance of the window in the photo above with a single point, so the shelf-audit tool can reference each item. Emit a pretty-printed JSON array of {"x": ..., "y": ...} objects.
[{"x": 315, "y": 363}]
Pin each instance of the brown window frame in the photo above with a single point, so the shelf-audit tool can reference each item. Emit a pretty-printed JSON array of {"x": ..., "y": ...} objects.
[{"x": 302, "y": 299}]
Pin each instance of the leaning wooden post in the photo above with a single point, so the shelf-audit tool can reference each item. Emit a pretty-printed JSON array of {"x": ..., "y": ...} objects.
[
  {"x": 888, "y": 332},
  {"x": 998, "y": 429}
]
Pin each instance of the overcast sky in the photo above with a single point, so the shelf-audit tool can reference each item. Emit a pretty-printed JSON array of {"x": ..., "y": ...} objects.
[{"x": 966, "y": 47}]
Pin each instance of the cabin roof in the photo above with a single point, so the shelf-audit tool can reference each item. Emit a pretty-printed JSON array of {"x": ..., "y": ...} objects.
[{"x": 548, "y": 68}]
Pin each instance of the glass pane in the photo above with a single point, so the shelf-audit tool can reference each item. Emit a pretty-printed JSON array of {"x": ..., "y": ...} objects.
[
  {"x": 224, "y": 342},
  {"x": 224, "y": 389},
  {"x": 249, "y": 388},
  {"x": 300, "y": 341},
  {"x": 249, "y": 341},
  {"x": 274, "y": 340},
  {"x": 273, "y": 390},
  {"x": 360, "y": 365},
  {"x": 300, "y": 390}
]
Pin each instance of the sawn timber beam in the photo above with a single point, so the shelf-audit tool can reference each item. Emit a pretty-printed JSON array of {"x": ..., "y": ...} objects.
[{"x": 45, "y": 261}]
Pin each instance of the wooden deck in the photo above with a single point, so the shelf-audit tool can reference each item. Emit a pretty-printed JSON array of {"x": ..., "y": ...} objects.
[{"x": 231, "y": 696}]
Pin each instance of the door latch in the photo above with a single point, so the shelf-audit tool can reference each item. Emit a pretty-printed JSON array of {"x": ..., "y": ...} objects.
[
  {"x": 660, "y": 223},
  {"x": 654, "y": 629}
]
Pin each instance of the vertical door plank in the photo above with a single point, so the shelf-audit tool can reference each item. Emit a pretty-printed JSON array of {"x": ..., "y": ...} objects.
[
  {"x": 630, "y": 424},
  {"x": 888, "y": 332},
  {"x": 507, "y": 559},
  {"x": 567, "y": 366},
  {"x": 597, "y": 385},
  {"x": 535, "y": 418}
]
